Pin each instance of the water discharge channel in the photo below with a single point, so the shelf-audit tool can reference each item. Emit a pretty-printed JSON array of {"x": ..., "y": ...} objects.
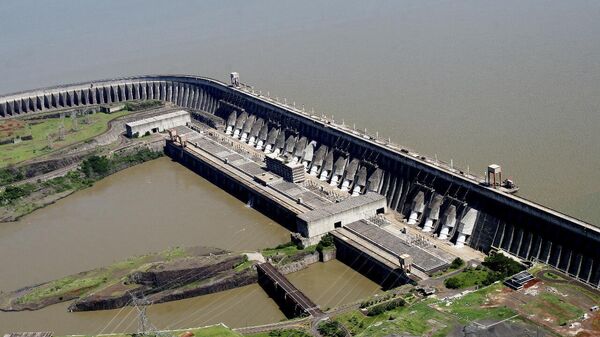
[{"x": 147, "y": 208}]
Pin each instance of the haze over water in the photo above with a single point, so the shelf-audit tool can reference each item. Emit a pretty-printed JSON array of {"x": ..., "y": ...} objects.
[{"x": 509, "y": 82}]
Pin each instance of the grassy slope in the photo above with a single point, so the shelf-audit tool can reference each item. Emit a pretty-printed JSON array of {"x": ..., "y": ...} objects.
[
  {"x": 430, "y": 316},
  {"x": 38, "y": 146},
  {"x": 94, "y": 279},
  {"x": 211, "y": 331}
]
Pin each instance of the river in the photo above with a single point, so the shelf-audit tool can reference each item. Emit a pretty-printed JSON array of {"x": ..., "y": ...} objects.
[
  {"x": 151, "y": 207},
  {"x": 510, "y": 82}
]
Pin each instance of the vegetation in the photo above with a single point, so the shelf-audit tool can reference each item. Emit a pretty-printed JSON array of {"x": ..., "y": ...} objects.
[
  {"x": 283, "y": 333},
  {"x": 14, "y": 193},
  {"x": 496, "y": 268},
  {"x": 469, "y": 277},
  {"x": 377, "y": 299},
  {"x": 430, "y": 316},
  {"x": 92, "y": 169},
  {"x": 142, "y": 105},
  {"x": 245, "y": 263},
  {"x": 10, "y": 175},
  {"x": 218, "y": 330},
  {"x": 553, "y": 276},
  {"x": 62, "y": 287},
  {"x": 55, "y": 133},
  {"x": 288, "y": 249},
  {"x": 385, "y": 306},
  {"x": 96, "y": 167},
  {"x": 326, "y": 243},
  {"x": 331, "y": 329},
  {"x": 457, "y": 263},
  {"x": 554, "y": 305},
  {"x": 502, "y": 264}
]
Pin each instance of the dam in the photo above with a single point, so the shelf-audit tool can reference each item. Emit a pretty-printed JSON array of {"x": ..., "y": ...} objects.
[{"x": 441, "y": 201}]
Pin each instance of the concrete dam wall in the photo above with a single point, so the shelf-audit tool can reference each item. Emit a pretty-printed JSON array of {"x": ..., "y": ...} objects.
[{"x": 445, "y": 202}]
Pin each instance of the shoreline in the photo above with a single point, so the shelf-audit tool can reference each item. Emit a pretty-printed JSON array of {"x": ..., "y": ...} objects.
[{"x": 171, "y": 275}]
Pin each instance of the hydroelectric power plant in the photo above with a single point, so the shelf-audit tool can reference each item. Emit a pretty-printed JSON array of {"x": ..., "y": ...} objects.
[{"x": 316, "y": 176}]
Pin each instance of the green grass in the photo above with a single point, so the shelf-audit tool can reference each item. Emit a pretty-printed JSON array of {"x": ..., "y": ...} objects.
[
  {"x": 553, "y": 276},
  {"x": 468, "y": 308},
  {"x": 471, "y": 277},
  {"x": 174, "y": 253},
  {"x": 38, "y": 146},
  {"x": 282, "y": 333},
  {"x": 288, "y": 249},
  {"x": 243, "y": 266},
  {"x": 211, "y": 331},
  {"x": 61, "y": 287},
  {"x": 555, "y": 306},
  {"x": 418, "y": 319},
  {"x": 430, "y": 317}
]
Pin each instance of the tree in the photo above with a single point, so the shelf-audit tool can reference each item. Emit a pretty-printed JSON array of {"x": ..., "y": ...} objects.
[
  {"x": 457, "y": 263},
  {"x": 502, "y": 264},
  {"x": 95, "y": 166},
  {"x": 452, "y": 283}
]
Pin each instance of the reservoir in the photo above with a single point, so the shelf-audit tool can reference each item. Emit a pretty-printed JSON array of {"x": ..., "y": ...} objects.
[{"x": 147, "y": 208}]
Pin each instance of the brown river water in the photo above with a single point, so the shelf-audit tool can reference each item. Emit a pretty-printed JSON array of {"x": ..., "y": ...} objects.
[{"x": 152, "y": 207}]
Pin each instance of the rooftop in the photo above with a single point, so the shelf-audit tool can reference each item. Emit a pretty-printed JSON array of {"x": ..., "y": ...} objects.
[
  {"x": 158, "y": 118},
  {"x": 342, "y": 206},
  {"x": 423, "y": 260}
]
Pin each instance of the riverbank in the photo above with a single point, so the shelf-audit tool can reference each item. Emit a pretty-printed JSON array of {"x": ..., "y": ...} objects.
[
  {"x": 166, "y": 276},
  {"x": 17, "y": 200}
]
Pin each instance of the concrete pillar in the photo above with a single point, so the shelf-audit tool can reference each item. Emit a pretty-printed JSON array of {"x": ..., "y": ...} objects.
[
  {"x": 579, "y": 265},
  {"x": 520, "y": 242},
  {"x": 529, "y": 245},
  {"x": 512, "y": 235},
  {"x": 569, "y": 261},
  {"x": 549, "y": 252},
  {"x": 591, "y": 270}
]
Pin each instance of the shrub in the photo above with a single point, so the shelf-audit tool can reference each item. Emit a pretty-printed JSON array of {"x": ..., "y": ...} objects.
[
  {"x": 385, "y": 306},
  {"x": 288, "y": 333},
  {"x": 331, "y": 329},
  {"x": 326, "y": 242},
  {"x": 457, "y": 263},
  {"x": 12, "y": 193},
  {"x": 453, "y": 283},
  {"x": 10, "y": 175},
  {"x": 502, "y": 264},
  {"x": 96, "y": 166}
]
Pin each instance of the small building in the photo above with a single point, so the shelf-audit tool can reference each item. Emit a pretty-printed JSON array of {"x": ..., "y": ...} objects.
[
  {"x": 317, "y": 222},
  {"x": 292, "y": 172},
  {"x": 518, "y": 280},
  {"x": 108, "y": 109},
  {"x": 158, "y": 123}
]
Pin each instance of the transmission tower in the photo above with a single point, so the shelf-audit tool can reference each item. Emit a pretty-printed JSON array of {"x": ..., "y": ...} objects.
[{"x": 145, "y": 327}]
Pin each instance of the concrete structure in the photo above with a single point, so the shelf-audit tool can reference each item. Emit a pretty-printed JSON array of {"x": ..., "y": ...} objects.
[
  {"x": 317, "y": 222},
  {"x": 292, "y": 172},
  {"x": 292, "y": 301},
  {"x": 111, "y": 108},
  {"x": 502, "y": 221},
  {"x": 494, "y": 175},
  {"x": 157, "y": 123}
]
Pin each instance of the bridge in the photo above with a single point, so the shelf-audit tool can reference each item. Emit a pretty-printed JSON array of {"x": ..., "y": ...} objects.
[{"x": 293, "y": 302}]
